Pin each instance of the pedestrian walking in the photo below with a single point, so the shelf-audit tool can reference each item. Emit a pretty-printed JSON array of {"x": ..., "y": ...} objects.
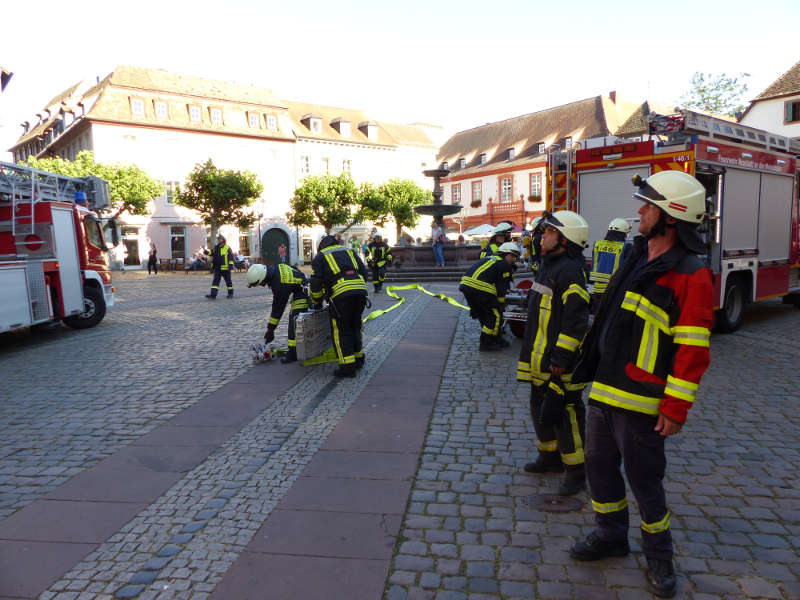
[
  {"x": 340, "y": 276},
  {"x": 558, "y": 317},
  {"x": 378, "y": 257},
  {"x": 152, "y": 260},
  {"x": 484, "y": 286},
  {"x": 282, "y": 253},
  {"x": 285, "y": 282},
  {"x": 645, "y": 356},
  {"x": 222, "y": 262}
]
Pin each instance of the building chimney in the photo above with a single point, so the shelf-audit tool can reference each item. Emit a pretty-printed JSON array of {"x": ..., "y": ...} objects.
[{"x": 613, "y": 96}]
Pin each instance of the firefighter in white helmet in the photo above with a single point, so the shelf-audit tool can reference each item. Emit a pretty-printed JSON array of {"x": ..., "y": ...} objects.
[
  {"x": 500, "y": 235},
  {"x": 645, "y": 355},
  {"x": 607, "y": 256},
  {"x": 558, "y": 317},
  {"x": 484, "y": 286},
  {"x": 284, "y": 281},
  {"x": 379, "y": 256}
]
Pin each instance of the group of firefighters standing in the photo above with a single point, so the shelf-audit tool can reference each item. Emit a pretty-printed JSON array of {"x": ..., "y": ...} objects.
[{"x": 642, "y": 358}]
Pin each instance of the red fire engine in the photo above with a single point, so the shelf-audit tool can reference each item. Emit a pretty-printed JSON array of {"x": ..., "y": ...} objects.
[
  {"x": 751, "y": 178},
  {"x": 53, "y": 263}
]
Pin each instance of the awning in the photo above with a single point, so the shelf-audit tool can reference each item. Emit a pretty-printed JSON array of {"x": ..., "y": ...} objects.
[{"x": 479, "y": 230}]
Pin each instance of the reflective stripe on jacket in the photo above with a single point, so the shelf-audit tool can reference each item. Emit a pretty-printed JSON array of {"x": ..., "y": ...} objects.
[
  {"x": 337, "y": 271},
  {"x": 605, "y": 261},
  {"x": 490, "y": 275},
  {"x": 286, "y": 281},
  {"x": 379, "y": 254},
  {"x": 656, "y": 335},
  {"x": 558, "y": 317},
  {"x": 489, "y": 250}
]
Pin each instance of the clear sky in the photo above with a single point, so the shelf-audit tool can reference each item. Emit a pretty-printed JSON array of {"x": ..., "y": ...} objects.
[{"x": 455, "y": 64}]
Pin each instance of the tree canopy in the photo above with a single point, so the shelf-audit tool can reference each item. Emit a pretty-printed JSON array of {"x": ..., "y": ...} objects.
[
  {"x": 327, "y": 200},
  {"x": 221, "y": 196},
  {"x": 716, "y": 94},
  {"x": 129, "y": 187},
  {"x": 396, "y": 199}
]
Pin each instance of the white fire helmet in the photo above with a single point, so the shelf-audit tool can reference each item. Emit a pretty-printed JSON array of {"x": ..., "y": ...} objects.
[
  {"x": 676, "y": 193},
  {"x": 620, "y": 225},
  {"x": 571, "y": 225},
  {"x": 256, "y": 274},
  {"x": 508, "y": 248}
]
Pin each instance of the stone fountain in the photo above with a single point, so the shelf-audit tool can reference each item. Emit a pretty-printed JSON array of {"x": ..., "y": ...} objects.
[{"x": 437, "y": 210}]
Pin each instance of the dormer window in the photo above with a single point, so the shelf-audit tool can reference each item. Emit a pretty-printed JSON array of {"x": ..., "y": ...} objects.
[
  {"x": 216, "y": 116},
  {"x": 342, "y": 126},
  {"x": 369, "y": 129},
  {"x": 137, "y": 107},
  {"x": 567, "y": 143},
  {"x": 483, "y": 158},
  {"x": 462, "y": 163},
  {"x": 512, "y": 152},
  {"x": 446, "y": 165},
  {"x": 161, "y": 110},
  {"x": 541, "y": 148},
  {"x": 272, "y": 122},
  {"x": 194, "y": 114},
  {"x": 253, "y": 119},
  {"x": 312, "y": 122}
]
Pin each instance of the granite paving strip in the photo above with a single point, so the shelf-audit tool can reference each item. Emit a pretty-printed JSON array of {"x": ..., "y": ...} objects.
[
  {"x": 182, "y": 544},
  {"x": 332, "y": 535}
]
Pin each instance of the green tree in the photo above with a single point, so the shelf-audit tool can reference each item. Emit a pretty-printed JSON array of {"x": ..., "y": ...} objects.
[
  {"x": 716, "y": 94},
  {"x": 327, "y": 200},
  {"x": 129, "y": 187},
  {"x": 396, "y": 200},
  {"x": 221, "y": 196}
]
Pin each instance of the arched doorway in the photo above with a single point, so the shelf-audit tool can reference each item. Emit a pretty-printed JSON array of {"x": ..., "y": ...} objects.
[{"x": 270, "y": 242}]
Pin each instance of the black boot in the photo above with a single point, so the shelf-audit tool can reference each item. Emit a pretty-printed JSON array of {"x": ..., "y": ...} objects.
[
  {"x": 487, "y": 343},
  {"x": 345, "y": 371},
  {"x": 593, "y": 548},
  {"x": 359, "y": 362},
  {"x": 211, "y": 296},
  {"x": 290, "y": 356},
  {"x": 661, "y": 577},
  {"x": 546, "y": 462},
  {"x": 574, "y": 482},
  {"x": 501, "y": 341}
]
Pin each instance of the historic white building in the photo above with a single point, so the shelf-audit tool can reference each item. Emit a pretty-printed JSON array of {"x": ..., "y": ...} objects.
[
  {"x": 777, "y": 108},
  {"x": 167, "y": 123}
]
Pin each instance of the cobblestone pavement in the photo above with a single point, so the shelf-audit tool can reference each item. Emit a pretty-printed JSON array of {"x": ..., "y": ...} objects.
[
  {"x": 732, "y": 484},
  {"x": 70, "y": 398}
]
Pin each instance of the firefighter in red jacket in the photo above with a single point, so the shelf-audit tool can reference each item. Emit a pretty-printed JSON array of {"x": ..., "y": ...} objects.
[
  {"x": 645, "y": 355},
  {"x": 558, "y": 317}
]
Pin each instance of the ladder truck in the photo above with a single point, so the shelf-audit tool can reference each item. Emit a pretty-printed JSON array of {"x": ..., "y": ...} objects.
[
  {"x": 53, "y": 262},
  {"x": 751, "y": 179}
]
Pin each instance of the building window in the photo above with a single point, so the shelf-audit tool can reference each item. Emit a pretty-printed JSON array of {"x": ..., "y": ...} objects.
[
  {"x": 506, "y": 187},
  {"x": 462, "y": 163},
  {"x": 346, "y": 166},
  {"x": 568, "y": 143},
  {"x": 137, "y": 106},
  {"x": 170, "y": 190},
  {"x": 305, "y": 167},
  {"x": 456, "y": 193},
  {"x": 161, "y": 110},
  {"x": 244, "y": 245},
  {"x": 536, "y": 187},
  {"x": 792, "y": 111},
  {"x": 541, "y": 148},
  {"x": 325, "y": 164},
  {"x": 252, "y": 119},
  {"x": 272, "y": 122},
  {"x": 476, "y": 193},
  {"x": 483, "y": 158},
  {"x": 216, "y": 116},
  {"x": 194, "y": 114},
  {"x": 177, "y": 241},
  {"x": 344, "y": 128},
  {"x": 316, "y": 126},
  {"x": 512, "y": 152},
  {"x": 445, "y": 165}
]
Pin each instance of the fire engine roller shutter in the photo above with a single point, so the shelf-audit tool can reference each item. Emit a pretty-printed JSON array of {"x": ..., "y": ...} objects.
[
  {"x": 606, "y": 195},
  {"x": 740, "y": 210},
  {"x": 775, "y": 217}
]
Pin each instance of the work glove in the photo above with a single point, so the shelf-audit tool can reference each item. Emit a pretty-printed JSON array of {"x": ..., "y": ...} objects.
[
  {"x": 554, "y": 412},
  {"x": 269, "y": 335}
]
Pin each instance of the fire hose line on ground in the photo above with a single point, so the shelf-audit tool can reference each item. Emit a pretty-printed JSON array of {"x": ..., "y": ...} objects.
[{"x": 330, "y": 354}]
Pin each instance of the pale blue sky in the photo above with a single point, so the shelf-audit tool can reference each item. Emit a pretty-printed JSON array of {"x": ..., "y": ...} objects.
[{"x": 456, "y": 64}]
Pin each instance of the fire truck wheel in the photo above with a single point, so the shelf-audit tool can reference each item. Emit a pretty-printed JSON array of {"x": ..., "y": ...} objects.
[
  {"x": 730, "y": 316},
  {"x": 517, "y": 328},
  {"x": 94, "y": 309}
]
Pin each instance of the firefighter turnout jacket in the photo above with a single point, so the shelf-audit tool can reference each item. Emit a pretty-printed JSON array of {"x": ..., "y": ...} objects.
[
  {"x": 606, "y": 259},
  {"x": 649, "y": 346},
  {"x": 558, "y": 317},
  {"x": 489, "y": 250},
  {"x": 221, "y": 257},
  {"x": 490, "y": 275},
  {"x": 286, "y": 281},
  {"x": 336, "y": 271},
  {"x": 379, "y": 254}
]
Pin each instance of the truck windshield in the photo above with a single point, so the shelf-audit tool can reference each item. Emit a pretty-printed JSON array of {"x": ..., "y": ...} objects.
[{"x": 94, "y": 233}]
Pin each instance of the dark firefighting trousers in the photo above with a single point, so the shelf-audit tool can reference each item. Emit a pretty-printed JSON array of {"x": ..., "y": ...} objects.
[
  {"x": 378, "y": 276},
  {"x": 617, "y": 436},
  {"x": 218, "y": 274},
  {"x": 345, "y": 313},
  {"x": 292, "y": 338},
  {"x": 487, "y": 309},
  {"x": 566, "y": 439}
]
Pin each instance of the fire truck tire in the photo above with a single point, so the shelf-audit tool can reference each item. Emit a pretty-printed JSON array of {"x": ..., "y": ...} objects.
[
  {"x": 517, "y": 328},
  {"x": 730, "y": 316},
  {"x": 95, "y": 309}
]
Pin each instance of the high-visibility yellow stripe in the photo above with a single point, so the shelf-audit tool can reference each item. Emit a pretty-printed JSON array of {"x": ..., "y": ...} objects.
[
  {"x": 523, "y": 371},
  {"x": 616, "y": 397},
  {"x": 658, "y": 526},
  {"x": 567, "y": 342},
  {"x": 540, "y": 342},
  {"x": 299, "y": 304},
  {"x": 548, "y": 446},
  {"x": 609, "y": 507},
  {"x": 273, "y": 321},
  {"x": 292, "y": 343},
  {"x": 336, "y": 341},
  {"x": 646, "y": 310},
  {"x": 574, "y": 288},
  {"x": 680, "y": 388},
  {"x": 471, "y": 281},
  {"x": 692, "y": 336},
  {"x": 576, "y": 457},
  {"x": 648, "y": 348},
  {"x": 334, "y": 267}
]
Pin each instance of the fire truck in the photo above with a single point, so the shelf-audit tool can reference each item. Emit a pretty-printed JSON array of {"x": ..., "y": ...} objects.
[
  {"x": 53, "y": 262},
  {"x": 751, "y": 178}
]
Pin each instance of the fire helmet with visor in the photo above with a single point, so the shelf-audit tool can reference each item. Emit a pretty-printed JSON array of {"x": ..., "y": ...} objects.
[
  {"x": 569, "y": 224},
  {"x": 509, "y": 248}
]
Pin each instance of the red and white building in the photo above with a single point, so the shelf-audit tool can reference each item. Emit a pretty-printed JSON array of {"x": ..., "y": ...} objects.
[{"x": 777, "y": 108}]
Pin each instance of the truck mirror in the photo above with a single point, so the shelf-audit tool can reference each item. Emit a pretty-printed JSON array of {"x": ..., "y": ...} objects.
[{"x": 113, "y": 227}]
